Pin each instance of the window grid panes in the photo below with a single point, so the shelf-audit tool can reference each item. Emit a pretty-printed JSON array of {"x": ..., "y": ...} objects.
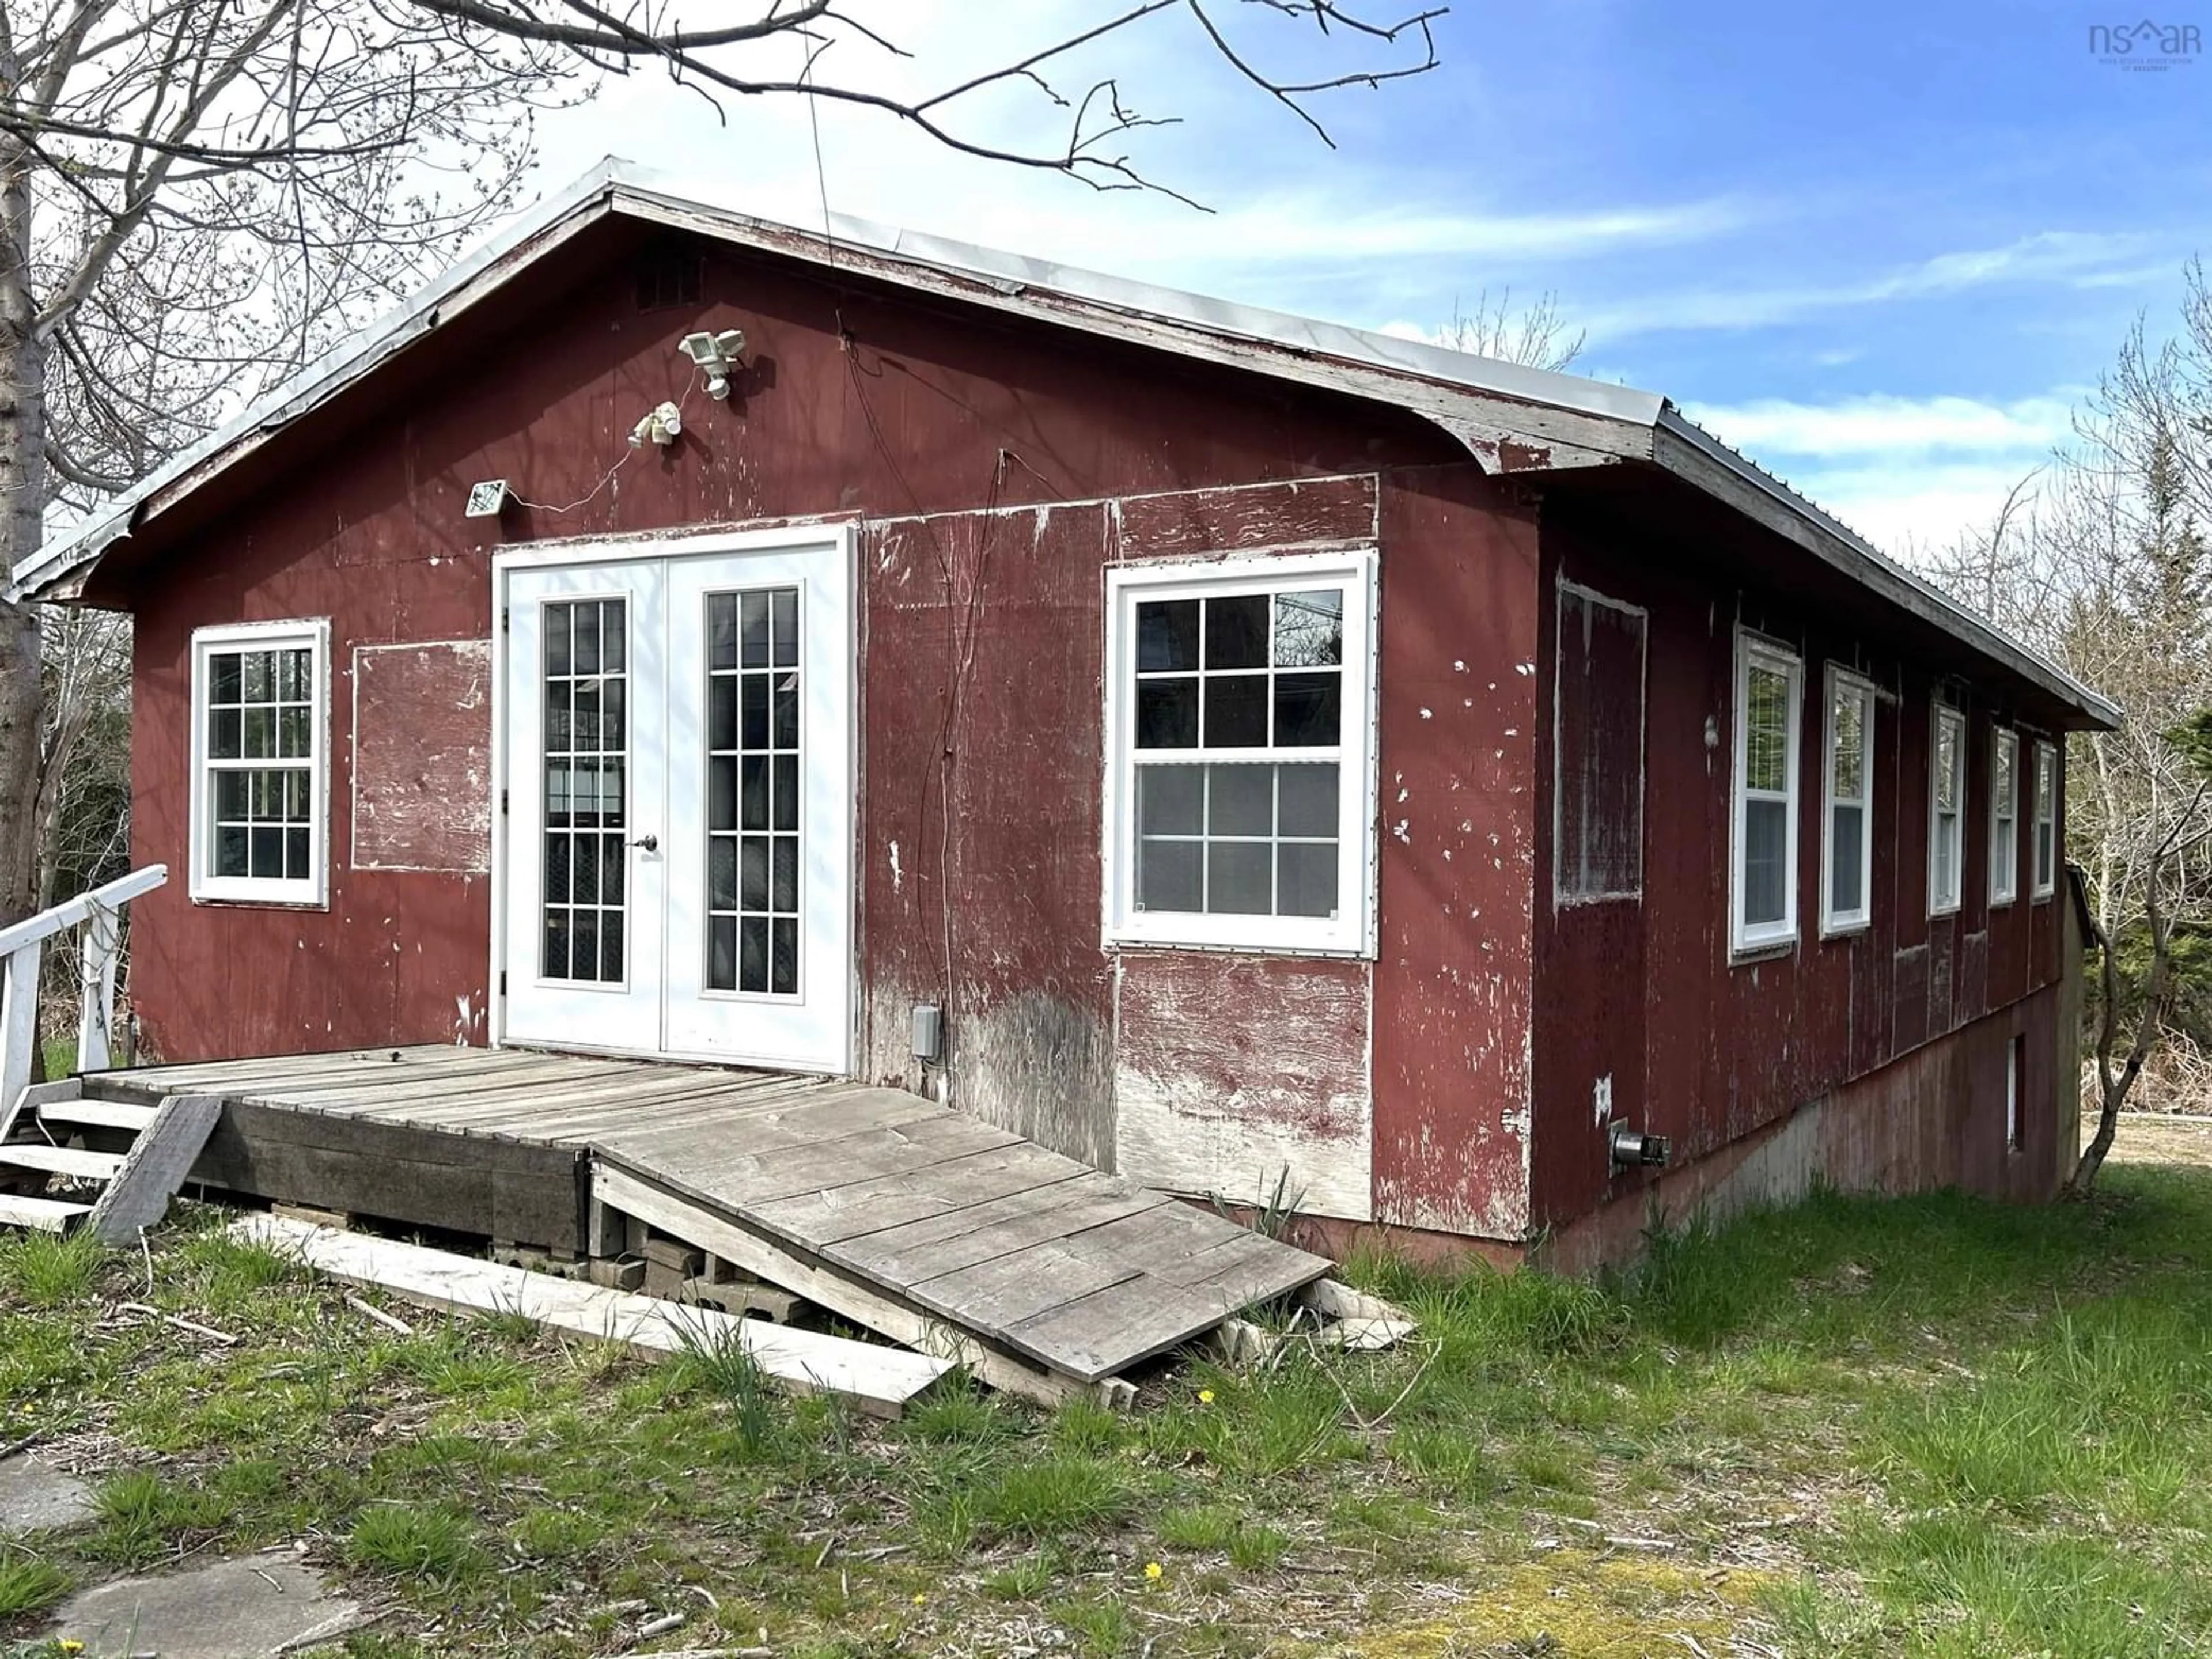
[
  {"x": 1766, "y": 785},
  {"x": 1238, "y": 713},
  {"x": 753, "y": 741},
  {"x": 1851, "y": 743},
  {"x": 1948, "y": 791},
  {"x": 586, "y": 686},
  {"x": 2004, "y": 818},
  {"x": 2046, "y": 820},
  {"x": 260, "y": 715}
]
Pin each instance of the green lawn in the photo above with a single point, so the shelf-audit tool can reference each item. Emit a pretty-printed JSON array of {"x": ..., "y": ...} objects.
[{"x": 1931, "y": 1426}]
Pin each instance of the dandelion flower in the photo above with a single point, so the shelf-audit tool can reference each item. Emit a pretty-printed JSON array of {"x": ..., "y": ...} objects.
[
  {"x": 1206, "y": 1396},
  {"x": 1152, "y": 1572},
  {"x": 69, "y": 1644},
  {"x": 921, "y": 1600}
]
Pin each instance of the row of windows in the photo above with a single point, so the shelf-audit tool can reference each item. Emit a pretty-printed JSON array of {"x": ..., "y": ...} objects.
[
  {"x": 1770, "y": 690},
  {"x": 1239, "y": 771}
]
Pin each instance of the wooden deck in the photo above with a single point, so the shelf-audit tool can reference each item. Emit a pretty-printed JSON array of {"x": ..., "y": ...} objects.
[{"x": 889, "y": 1209}]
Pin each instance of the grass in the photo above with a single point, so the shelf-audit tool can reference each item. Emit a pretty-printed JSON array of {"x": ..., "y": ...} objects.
[{"x": 1928, "y": 1427}]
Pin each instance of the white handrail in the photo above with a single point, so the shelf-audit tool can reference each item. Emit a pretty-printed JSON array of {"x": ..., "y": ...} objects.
[
  {"x": 22, "y": 947},
  {"x": 109, "y": 896}
]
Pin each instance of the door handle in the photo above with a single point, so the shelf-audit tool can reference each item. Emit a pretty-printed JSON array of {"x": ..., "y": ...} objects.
[{"x": 647, "y": 843}]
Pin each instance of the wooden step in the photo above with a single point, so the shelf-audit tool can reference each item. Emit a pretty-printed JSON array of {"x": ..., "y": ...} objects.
[
  {"x": 47, "y": 1215},
  {"x": 62, "y": 1160},
  {"x": 99, "y": 1114}
]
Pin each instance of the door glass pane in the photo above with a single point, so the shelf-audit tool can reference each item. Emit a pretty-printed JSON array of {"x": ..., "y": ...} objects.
[
  {"x": 587, "y": 789},
  {"x": 753, "y": 879}
]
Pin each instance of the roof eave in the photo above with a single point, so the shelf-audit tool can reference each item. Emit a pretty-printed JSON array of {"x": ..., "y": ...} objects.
[
  {"x": 58, "y": 572},
  {"x": 1686, "y": 450}
]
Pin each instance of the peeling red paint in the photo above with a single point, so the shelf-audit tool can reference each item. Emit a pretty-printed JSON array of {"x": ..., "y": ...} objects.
[
  {"x": 1452, "y": 987},
  {"x": 422, "y": 757},
  {"x": 1640, "y": 998}
]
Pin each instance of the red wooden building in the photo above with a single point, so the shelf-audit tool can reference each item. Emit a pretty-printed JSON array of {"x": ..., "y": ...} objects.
[{"x": 1281, "y": 753}]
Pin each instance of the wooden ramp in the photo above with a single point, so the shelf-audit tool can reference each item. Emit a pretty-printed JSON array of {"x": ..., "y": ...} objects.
[{"x": 1043, "y": 1275}]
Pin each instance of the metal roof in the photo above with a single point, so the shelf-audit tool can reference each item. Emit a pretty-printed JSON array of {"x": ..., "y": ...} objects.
[{"x": 1508, "y": 415}]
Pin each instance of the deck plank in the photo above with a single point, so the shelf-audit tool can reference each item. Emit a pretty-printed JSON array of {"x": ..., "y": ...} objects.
[
  {"x": 995, "y": 1296},
  {"x": 942, "y": 1244},
  {"x": 431, "y": 1083},
  {"x": 903, "y": 1202},
  {"x": 883, "y": 1203}
]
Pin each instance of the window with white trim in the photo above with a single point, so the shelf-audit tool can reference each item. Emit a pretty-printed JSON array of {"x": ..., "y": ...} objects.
[
  {"x": 260, "y": 772},
  {"x": 2044, "y": 837},
  {"x": 1770, "y": 690},
  {"x": 1239, "y": 753},
  {"x": 2004, "y": 816},
  {"x": 1946, "y": 808},
  {"x": 1847, "y": 867}
]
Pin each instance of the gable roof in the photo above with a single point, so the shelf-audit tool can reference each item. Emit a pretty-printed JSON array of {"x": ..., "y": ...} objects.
[{"x": 1510, "y": 418}]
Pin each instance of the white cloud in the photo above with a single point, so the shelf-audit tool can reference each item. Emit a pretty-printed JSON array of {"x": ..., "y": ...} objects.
[
  {"x": 2074, "y": 259},
  {"x": 1904, "y": 471},
  {"x": 1880, "y": 424}
]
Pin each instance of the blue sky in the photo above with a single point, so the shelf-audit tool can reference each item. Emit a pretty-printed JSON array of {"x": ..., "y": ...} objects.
[{"x": 1883, "y": 248}]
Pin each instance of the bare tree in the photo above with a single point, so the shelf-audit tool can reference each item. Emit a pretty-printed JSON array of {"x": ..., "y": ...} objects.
[
  {"x": 1534, "y": 335},
  {"x": 1088, "y": 120},
  {"x": 195, "y": 196},
  {"x": 2102, "y": 562}
]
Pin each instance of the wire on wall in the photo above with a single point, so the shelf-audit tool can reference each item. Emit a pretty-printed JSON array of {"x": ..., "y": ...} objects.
[{"x": 607, "y": 477}]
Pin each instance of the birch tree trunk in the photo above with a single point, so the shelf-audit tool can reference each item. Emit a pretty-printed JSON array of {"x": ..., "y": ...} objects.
[{"x": 23, "y": 501}]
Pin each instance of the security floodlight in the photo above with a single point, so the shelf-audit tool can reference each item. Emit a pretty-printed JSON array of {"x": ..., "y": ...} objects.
[
  {"x": 486, "y": 500},
  {"x": 716, "y": 354},
  {"x": 661, "y": 426}
]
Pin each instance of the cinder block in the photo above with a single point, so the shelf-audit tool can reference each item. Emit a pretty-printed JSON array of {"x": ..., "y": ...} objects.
[
  {"x": 687, "y": 1260},
  {"x": 741, "y": 1296},
  {"x": 623, "y": 1273}
]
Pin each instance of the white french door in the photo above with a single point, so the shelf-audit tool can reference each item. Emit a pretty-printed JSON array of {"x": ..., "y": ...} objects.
[{"x": 677, "y": 869}]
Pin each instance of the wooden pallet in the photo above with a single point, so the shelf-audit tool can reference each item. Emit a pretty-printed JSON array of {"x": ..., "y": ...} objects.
[{"x": 135, "y": 1185}]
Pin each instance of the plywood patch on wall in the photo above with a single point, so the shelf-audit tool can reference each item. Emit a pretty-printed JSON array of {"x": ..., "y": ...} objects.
[
  {"x": 1230, "y": 1071},
  {"x": 1184, "y": 524},
  {"x": 422, "y": 757}
]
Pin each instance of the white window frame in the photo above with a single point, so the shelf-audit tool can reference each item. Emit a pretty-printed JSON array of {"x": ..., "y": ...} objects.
[
  {"x": 2004, "y": 826},
  {"x": 311, "y": 892},
  {"x": 2042, "y": 883},
  {"x": 1747, "y": 938},
  {"x": 1351, "y": 931},
  {"x": 1835, "y": 922},
  {"x": 1941, "y": 903}
]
